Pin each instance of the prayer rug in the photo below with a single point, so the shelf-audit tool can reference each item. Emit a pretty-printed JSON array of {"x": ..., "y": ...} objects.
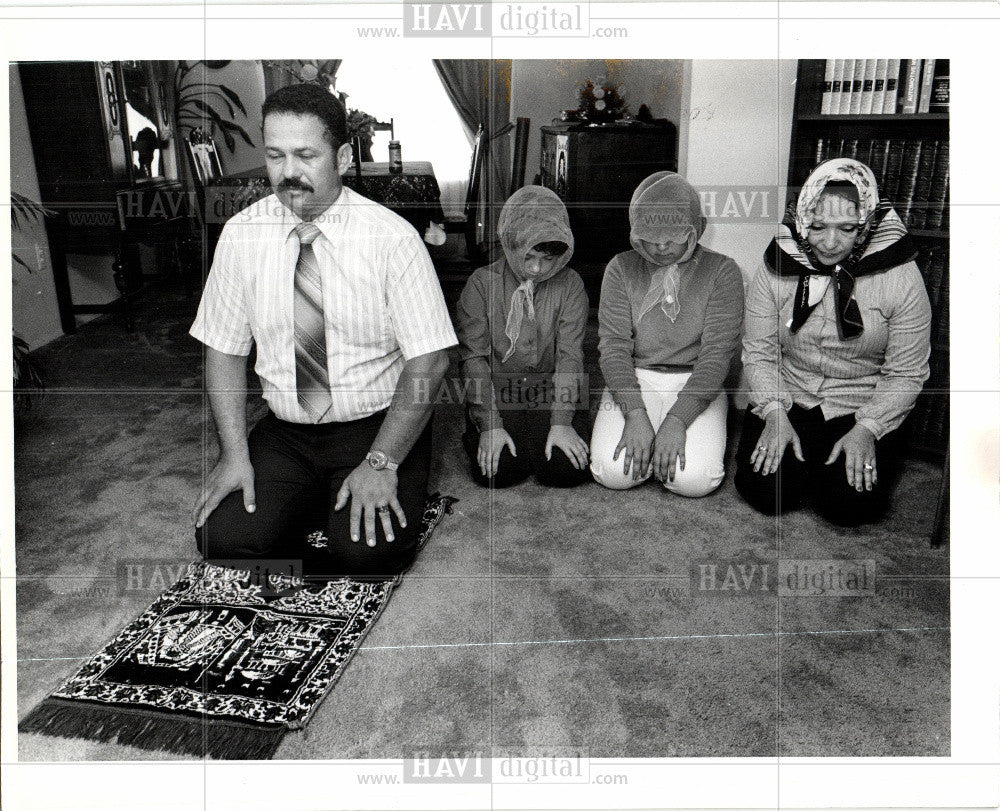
[{"x": 220, "y": 665}]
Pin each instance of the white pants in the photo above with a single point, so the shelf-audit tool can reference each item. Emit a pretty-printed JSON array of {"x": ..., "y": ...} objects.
[{"x": 704, "y": 449}]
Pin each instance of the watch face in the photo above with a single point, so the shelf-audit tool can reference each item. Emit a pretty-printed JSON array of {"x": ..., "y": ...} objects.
[{"x": 377, "y": 460}]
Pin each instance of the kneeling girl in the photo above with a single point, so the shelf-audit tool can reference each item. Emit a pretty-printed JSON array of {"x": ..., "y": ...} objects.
[
  {"x": 670, "y": 318},
  {"x": 520, "y": 324}
]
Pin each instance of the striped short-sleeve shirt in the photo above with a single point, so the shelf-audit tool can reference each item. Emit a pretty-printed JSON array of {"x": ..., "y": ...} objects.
[{"x": 381, "y": 299}]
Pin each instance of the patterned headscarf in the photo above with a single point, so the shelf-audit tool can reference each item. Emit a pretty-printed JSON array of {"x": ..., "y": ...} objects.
[
  {"x": 882, "y": 243},
  {"x": 532, "y": 215},
  {"x": 665, "y": 208},
  {"x": 837, "y": 169}
]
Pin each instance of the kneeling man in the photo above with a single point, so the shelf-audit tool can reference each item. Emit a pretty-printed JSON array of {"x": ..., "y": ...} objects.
[{"x": 351, "y": 329}]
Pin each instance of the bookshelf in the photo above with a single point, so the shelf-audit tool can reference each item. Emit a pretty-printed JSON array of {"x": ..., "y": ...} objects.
[{"x": 920, "y": 198}]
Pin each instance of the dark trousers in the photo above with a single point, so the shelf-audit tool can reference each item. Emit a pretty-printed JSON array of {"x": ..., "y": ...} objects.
[
  {"x": 825, "y": 486},
  {"x": 528, "y": 428},
  {"x": 298, "y": 470}
]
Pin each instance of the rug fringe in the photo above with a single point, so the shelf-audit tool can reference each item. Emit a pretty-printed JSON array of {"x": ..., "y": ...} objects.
[{"x": 222, "y": 740}]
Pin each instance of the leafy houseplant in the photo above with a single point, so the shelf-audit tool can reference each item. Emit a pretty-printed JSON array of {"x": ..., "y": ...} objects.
[
  {"x": 207, "y": 105},
  {"x": 360, "y": 127},
  {"x": 27, "y": 377}
]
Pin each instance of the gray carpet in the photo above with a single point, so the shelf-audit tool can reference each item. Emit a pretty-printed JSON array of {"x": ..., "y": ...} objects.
[{"x": 534, "y": 619}]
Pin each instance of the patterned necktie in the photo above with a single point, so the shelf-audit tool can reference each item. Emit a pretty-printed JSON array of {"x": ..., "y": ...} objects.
[{"x": 312, "y": 381}]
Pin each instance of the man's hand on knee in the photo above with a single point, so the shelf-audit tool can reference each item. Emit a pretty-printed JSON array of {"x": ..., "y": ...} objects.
[
  {"x": 227, "y": 476},
  {"x": 372, "y": 492}
]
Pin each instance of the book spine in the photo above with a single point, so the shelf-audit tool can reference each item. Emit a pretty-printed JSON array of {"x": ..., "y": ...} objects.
[
  {"x": 821, "y": 151},
  {"x": 911, "y": 89},
  {"x": 926, "y": 86},
  {"x": 876, "y": 161},
  {"x": 878, "y": 90},
  {"x": 942, "y": 306},
  {"x": 893, "y": 161},
  {"x": 828, "y": 79},
  {"x": 850, "y": 148},
  {"x": 857, "y": 86},
  {"x": 864, "y": 152},
  {"x": 922, "y": 189},
  {"x": 908, "y": 180},
  {"x": 939, "y": 187},
  {"x": 941, "y": 91},
  {"x": 845, "y": 87},
  {"x": 868, "y": 87},
  {"x": 838, "y": 86},
  {"x": 891, "y": 87}
]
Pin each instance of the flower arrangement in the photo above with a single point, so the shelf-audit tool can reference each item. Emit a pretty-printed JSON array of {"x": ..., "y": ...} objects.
[
  {"x": 359, "y": 125},
  {"x": 602, "y": 102}
]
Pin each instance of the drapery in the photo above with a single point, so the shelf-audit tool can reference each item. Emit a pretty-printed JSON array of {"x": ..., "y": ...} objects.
[{"x": 480, "y": 91}]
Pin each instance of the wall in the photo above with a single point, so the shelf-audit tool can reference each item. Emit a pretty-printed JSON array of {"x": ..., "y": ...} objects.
[
  {"x": 735, "y": 138},
  {"x": 246, "y": 79},
  {"x": 35, "y": 313},
  {"x": 542, "y": 88}
]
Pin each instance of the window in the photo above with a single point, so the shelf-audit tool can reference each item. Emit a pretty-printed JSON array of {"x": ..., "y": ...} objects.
[{"x": 427, "y": 125}]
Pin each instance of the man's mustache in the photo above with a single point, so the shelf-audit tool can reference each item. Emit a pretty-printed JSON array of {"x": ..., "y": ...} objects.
[{"x": 293, "y": 184}]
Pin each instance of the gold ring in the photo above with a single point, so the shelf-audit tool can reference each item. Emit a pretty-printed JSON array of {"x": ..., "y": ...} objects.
[
  {"x": 869, "y": 466},
  {"x": 383, "y": 509}
]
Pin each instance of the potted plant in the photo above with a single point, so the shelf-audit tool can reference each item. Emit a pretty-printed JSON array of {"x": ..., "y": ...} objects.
[
  {"x": 27, "y": 376},
  {"x": 207, "y": 105}
]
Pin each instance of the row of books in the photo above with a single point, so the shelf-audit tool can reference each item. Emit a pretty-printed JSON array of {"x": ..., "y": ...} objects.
[
  {"x": 929, "y": 420},
  {"x": 912, "y": 174},
  {"x": 933, "y": 264},
  {"x": 885, "y": 86}
]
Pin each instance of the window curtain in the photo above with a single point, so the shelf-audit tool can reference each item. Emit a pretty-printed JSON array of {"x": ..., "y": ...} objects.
[
  {"x": 283, "y": 72},
  {"x": 480, "y": 91}
]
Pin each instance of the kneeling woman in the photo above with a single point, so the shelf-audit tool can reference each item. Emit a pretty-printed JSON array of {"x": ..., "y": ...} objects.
[
  {"x": 520, "y": 324},
  {"x": 836, "y": 351},
  {"x": 670, "y": 318}
]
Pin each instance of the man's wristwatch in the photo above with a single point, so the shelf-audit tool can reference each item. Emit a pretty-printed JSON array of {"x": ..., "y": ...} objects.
[{"x": 379, "y": 461}]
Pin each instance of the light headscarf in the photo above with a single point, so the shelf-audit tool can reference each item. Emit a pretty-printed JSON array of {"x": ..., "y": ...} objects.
[
  {"x": 665, "y": 208},
  {"x": 837, "y": 169},
  {"x": 532, "y": 215},
  {"x": 882, "y": 243}
]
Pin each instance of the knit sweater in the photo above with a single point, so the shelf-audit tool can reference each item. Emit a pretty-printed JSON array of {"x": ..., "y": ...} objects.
[
  {"x": 703, "y": 339},
  {"x": 549, "y": 345}
]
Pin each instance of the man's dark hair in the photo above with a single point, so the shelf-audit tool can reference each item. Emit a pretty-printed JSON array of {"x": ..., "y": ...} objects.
[
  {"x": 310, "y": 99},
  {"x": 551, "y": 249}
]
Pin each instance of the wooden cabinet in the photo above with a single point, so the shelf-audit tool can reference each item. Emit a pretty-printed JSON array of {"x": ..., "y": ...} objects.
[
  {"x": 817, "y": 137},
  {"x": 83, "y": 158},
  {"x": 77, "y": 119},
  {"x": 595, "y": 169}
]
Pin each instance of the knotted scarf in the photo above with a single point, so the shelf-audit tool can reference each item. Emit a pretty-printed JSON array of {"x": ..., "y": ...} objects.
[
  {"x": 882, "y": 243},
  {"x": 665, "y": 208},
  {"x": 532, "y": 215}
]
